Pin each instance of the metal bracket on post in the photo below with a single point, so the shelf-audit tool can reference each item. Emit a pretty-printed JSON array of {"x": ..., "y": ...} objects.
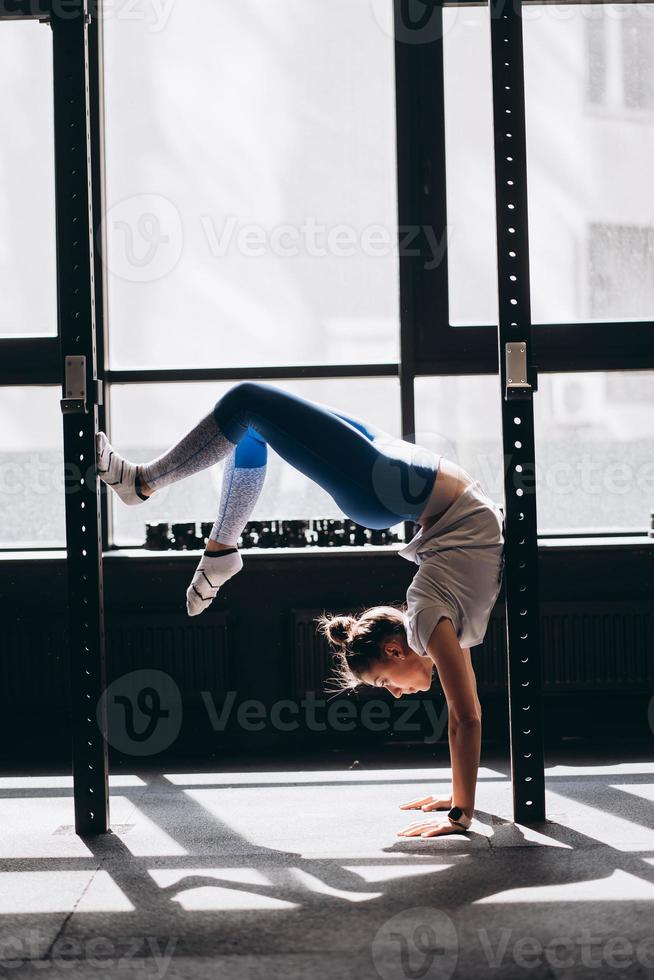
[
  {"x": 517, "y": 374},
  {"x": 75, "y": 385}
]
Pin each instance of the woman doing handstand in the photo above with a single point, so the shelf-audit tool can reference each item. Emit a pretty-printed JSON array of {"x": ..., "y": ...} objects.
[{"x": 377, "y": 481}]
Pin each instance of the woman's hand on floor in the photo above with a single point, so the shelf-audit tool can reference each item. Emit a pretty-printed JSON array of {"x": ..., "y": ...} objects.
[
  {"x": 429, "y": 828},
  {"x": 428, "y": 803}
]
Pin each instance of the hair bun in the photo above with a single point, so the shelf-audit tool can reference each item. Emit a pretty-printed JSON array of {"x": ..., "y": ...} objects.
[
  {"x": 340, "y": 629},
  {"x": 337, "y": 629}
]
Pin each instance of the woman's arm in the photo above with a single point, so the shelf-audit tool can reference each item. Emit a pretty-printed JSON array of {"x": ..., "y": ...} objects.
[{"x": 457, "y": 677}]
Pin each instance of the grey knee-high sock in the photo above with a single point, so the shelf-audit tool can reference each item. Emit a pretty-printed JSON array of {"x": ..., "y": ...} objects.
[
  {"x": 201, "y": 447},
  {"x": 240, "y": 491}
]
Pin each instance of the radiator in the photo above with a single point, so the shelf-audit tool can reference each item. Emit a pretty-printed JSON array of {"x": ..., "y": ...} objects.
[
  {"x": 586, "y": 646},
  {"x": 34, "y": 668}
]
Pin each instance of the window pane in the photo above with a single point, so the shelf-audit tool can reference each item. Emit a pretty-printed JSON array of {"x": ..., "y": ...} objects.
[
  {"x": 31, "y": 468},
  {"x": 588, "y": 146},
  {"x": 27, "y": 217},
  {"x": 594, "y": 444},
  {"x": 148, "y": 419},
  {"x": 595, "y": 451},
  {"x": 459, "y": 417},
  {"x": 251, "y": 184}
]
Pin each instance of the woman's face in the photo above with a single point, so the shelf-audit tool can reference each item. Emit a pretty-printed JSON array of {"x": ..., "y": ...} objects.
[{"x": 400, "y": 669}]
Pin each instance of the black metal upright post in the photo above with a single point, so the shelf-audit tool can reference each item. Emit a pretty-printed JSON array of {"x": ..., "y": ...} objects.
[
  {"x": 518, "y": 380},
  {"x": 81, "y": 394}
]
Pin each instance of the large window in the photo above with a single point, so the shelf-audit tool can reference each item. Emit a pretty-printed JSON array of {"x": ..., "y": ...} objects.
[
  {"x": 252, "y": 209},
  {"x": 588, "y": 171},
  {"x": 27, "y": 243},
  {"x": 251, "y": 225}
]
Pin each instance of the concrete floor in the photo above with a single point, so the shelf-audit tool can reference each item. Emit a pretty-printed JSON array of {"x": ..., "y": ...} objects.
[{"x": 293, "y": 870}]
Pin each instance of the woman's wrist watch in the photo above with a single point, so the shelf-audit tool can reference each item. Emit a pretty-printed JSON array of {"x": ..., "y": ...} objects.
[{"x": 458, "y": 818}]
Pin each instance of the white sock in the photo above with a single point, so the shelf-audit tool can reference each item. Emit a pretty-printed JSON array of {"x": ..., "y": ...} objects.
[
  {"x": 212, "y": 572},
  {"x": 116, "y": 472}
]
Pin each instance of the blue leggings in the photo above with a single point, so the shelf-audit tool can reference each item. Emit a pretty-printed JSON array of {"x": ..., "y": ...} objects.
[{"x": 375, "y": 479}]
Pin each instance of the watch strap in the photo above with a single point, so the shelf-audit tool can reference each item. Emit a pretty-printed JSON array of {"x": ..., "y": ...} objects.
[{"x": 458, "y": 818}]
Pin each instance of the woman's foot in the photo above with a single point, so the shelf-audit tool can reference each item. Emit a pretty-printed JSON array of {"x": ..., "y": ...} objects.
[
  {"x": 213, "y": 571},
  {"x": 118, "y": 473}
]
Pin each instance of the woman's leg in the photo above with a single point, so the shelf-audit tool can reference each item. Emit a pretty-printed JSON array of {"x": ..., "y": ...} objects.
[
  {"x": 243, "y": 478},
  {"x": 376, "y": 480}
]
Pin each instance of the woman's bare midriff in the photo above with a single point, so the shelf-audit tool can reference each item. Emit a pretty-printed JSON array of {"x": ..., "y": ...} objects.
[{"x": 450, "y": 483}]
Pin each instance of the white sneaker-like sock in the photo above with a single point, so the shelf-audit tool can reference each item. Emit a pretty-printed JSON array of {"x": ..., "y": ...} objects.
[
  {"x": 212, "y": 572},
  {"x": 116, "y": 472}
]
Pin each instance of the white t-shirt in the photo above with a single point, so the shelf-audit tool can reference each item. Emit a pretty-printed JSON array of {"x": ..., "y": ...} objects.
[{"x": 461, "y": 559}]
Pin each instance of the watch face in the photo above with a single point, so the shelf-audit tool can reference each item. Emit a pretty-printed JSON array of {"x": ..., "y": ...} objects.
[{"x": 455, "y": 813}]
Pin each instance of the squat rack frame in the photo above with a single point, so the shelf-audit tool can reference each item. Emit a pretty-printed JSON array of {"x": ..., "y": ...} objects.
[{"x": 77, "y": 65}]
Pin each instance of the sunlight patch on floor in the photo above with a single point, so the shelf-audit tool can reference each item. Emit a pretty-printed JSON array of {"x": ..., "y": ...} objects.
[
  {"x": 597, "y": 823},
  {"x": 381, "y": 872},
  {"x": 432, "y": 775},
  {"x": 619, "y": 886},
  {"x": 61, "y": 782},
  {"x": 145, "y": 838},
  {"x": 30, "y": 892},
  {"x": 618, "y": 768},
  {"x": 217, "y": 897}
]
